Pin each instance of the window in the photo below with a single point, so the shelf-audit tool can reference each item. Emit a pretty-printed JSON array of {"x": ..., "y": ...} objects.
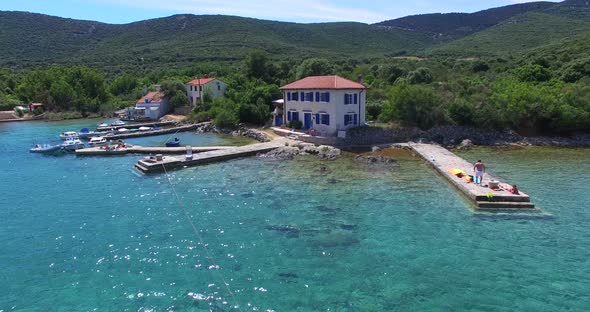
[
  {"x": 309, "y": 96},
  {"x": 350, "y": 119},
  {"x": 200, "y": 88},
  {"x": 302, "y": 96},
  {"x": 218, "y": 88},
  {"x": 293, "y": 115},
  {"x": 295, "y": 96},
  {"x": 322, "y": 119},
  {"x": 325, "y": 97},
  {"x": 350, "y": 98}
]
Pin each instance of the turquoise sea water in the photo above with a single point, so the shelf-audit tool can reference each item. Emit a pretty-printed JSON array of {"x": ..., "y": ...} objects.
[{"x": 82, "y": 234}]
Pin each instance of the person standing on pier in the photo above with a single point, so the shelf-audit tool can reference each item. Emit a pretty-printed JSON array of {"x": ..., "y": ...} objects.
[{"x": 480, "y": 170}]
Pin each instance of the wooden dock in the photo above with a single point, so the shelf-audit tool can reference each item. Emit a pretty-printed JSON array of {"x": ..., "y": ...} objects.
[
  {"x": 148, "y": 165},
  {"x": 127, "y": 135},
  {"x": 137, "y": 125},
  {"x": 443, "y": 160},
  {"x": 136, "y": 149}
]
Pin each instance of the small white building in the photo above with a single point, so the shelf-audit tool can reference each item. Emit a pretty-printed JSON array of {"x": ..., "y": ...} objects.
[
  {"x": 196, "y": 88},
  {"x": 328, "y": 104},
  {"x": 153, "y": 105}
]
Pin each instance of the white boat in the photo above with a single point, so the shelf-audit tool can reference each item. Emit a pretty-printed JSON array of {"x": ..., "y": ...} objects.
[
  {"x": 68, "y": 135},
  {"x": 97, "y": 141},
  {"x": 86, "y": 133},
  {"x": 122, "y": 130},
  {"x": 72, "y": 144},
  {"x": 145, "y": 128},
  {"x": 45, "y": 148},
  {"x": 103, "y": 125},
  {"x": 117, "y": 123}
]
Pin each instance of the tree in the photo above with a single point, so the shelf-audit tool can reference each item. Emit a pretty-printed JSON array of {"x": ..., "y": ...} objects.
[
  {"x": 532, "y": 73},
  {"x": 413, "y": 105},
  {"x": 420, "y": 75},
  {"x": 257, "y": 65},
  {"x": 314, "y": 67},
  {"x": 124, "y": 84},
  {"x": 390, "y": 73}
]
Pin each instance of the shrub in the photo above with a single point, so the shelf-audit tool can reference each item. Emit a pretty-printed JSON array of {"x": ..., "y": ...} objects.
[
  {"x": 227, "y": 119},
  {"x": 532, "y": 73},
  {"x": 295, "y": 124},
  {"x": 420, "y": 75}
]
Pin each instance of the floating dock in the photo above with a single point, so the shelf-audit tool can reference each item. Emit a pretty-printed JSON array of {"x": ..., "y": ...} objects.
[
  {"x": 151, "y": 165},
  {"x": 137, "y": 125},
  {"x": 127, "y": 135},
  {"x": 443, "y": 160},
  {"x": 136, "y": 149}
]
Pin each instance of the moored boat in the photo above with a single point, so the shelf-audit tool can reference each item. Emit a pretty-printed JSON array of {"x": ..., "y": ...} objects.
[
  {"x": 45, "y": 148},
  {"x": 97, "y": 141},
  {"x": 117, "y": 123},
  {"x": 173, "y": 143},
  {"x": 86, "y": 133},
  {"x": 72, "y": 144},
  {"x": 68, "y": 134},
  {"x": 145, "y": 128}
]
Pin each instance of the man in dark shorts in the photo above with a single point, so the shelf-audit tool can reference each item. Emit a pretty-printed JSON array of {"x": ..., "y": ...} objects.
[{"x": 480, "y": 170}]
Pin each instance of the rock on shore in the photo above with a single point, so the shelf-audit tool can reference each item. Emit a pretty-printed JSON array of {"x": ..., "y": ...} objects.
[{"x": 323, "y": 152}]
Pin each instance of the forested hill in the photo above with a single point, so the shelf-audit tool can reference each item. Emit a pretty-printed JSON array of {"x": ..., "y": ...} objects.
[
  {"x": 455, "y": 25},
  {"x": 30, "y": 40}
]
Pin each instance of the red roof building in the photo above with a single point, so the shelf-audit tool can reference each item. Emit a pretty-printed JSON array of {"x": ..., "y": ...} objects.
[{"x": 324, "y": 83}]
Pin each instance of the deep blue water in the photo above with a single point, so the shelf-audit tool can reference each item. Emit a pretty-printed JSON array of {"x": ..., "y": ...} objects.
[{"x": 79, "y": 234}]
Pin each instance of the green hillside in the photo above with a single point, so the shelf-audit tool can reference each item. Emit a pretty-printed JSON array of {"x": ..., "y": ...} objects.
[
  {"x": 456, "y": 25},
  {"x": 515, "y": 36},
  {"x": 28, "y": 39}
]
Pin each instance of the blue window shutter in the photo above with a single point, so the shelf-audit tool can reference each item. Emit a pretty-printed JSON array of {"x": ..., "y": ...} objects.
[
  {"x": 346, "y": 118},
  {"x": 355, "y": 120},
  {"x": 288, "y": 116},
  {"x": 317, "y": 119},
  {"x": 327, "y": 96},
  {"x": 288, "y": 96},
  {"x": 356, "y": 98},
  {"x": 317, "y": 96},
  {"x": 302, "y": 96},
  {"x": 345, "y": 99},
  {"x": 327, "y": 119}
]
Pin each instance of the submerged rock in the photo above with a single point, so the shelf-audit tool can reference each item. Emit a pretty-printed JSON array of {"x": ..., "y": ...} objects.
[
  {"x": 288, "y": 230},
  {"x": 284, "y": 152},
  {"x": 465, "y": 145},
  {"x": 372, "y": 159},
  {"x": 328, "y": 152}
]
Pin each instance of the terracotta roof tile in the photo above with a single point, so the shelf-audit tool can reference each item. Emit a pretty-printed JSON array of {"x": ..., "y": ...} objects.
[
  {"x": 154, "y": 97},
  {"x": 201, "y": 81},
  {"x": 323, "y": 82}
]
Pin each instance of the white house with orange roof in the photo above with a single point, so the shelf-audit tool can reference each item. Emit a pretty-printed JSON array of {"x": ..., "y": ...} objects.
[
  {"x": 198, "y": 87},
  {"x": 152, "y": 105},
  {"x": 328, "y": 104}
]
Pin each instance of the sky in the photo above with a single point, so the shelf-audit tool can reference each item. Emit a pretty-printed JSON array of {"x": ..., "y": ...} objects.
[{"x": 303, "y": 11}]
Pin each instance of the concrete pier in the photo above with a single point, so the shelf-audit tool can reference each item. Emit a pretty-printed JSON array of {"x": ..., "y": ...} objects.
[
  {"x": 443, "y": 160},
  {"x": 136, "y": 149},
  {"x": 137, "y": 125},
  {"x": 127, "y": 135},
  {"x": 148, "y": 165}
]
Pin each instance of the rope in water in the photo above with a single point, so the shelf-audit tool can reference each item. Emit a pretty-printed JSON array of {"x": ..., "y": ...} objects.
[{"x": 201, "y": 240}]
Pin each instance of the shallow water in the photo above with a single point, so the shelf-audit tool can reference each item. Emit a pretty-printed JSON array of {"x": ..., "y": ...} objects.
[{"x": 90, "y": 233}]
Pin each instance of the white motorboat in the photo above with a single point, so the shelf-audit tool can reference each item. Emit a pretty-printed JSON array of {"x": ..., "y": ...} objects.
[
  {"x": 68, "y": 135},
  {"x": 86, "y": 133},
  {"x": 145, "y": 128},
  {"x": 102, "y": 125},
  {"x": 117, "y": 123},
  {"x": 123, "y": 130},
  {"x": 97, "y": 141},
  {"x": 72, "y": 144},
  {"x": 46, "y": 149}
]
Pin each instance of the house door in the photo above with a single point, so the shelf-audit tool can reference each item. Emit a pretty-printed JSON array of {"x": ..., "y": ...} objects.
[
  {"x": 307, "y": 122},
  {"x": 278, "y": 120}
]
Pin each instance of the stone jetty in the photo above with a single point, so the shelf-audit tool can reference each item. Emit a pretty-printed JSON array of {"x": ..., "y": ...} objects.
[
  {"x": 442, "y": 160},
  {"x": 163, "y": 163}
]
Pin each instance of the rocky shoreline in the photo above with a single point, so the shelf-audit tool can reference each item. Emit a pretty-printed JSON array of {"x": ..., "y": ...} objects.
[
  {"x": 323, "y": 152},
  {"x": 453, "y": 136},
  {"x": 242, "y": 131}
]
